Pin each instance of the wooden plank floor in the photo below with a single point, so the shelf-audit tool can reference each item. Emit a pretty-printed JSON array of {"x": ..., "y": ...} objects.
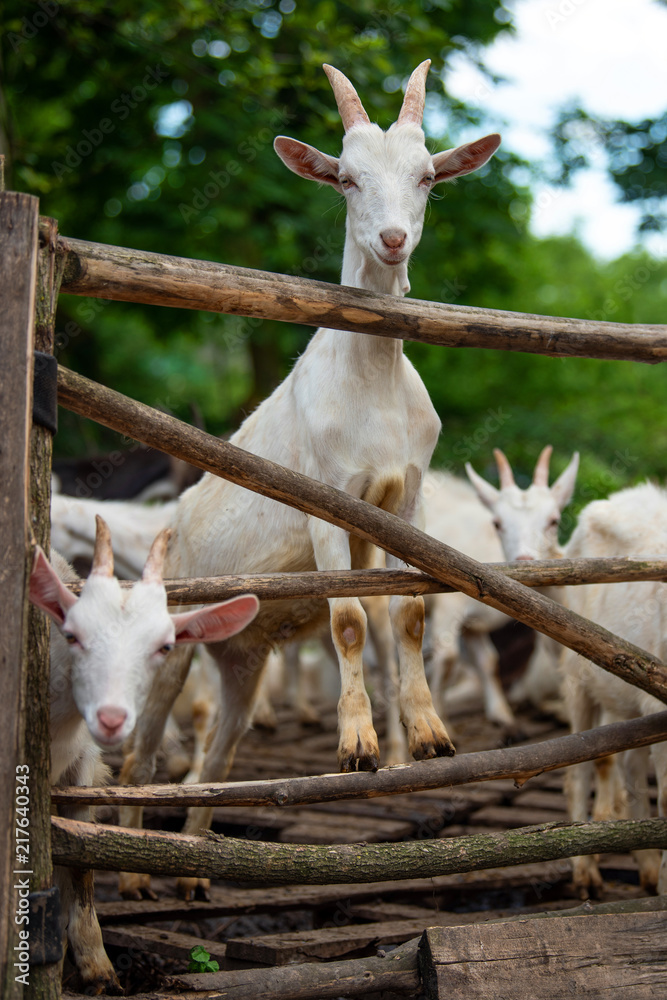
[{"x": 248, "y": 926}]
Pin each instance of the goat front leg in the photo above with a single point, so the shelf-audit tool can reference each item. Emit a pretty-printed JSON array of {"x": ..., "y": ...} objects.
[
  {"x": 427, "y": 736},
  {"x": 358, "y": 747},
  {"x": 484, "y": 657},
  {"x": 139, "y": 765},
  {"x": 77, "y": 892},
  {"x": 77, "y": 895},
  {"x": 578, "y": 778},
  {"x": 379, "y": 628},
  {"x": 240, "y": 681}
]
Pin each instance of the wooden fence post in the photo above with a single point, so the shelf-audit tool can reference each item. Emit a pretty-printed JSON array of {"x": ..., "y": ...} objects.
[
  {"x": 18, "y": 259},
  {"x": 45, "y": 977}
]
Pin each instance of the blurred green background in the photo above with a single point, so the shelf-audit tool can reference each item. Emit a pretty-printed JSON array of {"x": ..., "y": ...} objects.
[{"x": 151, "y": 126}]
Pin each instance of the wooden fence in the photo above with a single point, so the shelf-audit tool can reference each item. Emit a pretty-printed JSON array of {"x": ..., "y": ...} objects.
[{"x": 35, "y": 265}]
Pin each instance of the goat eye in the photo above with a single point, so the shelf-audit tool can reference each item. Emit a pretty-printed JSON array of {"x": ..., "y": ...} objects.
[
  {"x": 497, "y": 523},
  {"x": 167, "y": 648},
  {"x": 427, "y": 180},
  {"x": 70, "y": 638},
  {"x": 554, "y": 522},
  {"x": 347, "y": 183}
]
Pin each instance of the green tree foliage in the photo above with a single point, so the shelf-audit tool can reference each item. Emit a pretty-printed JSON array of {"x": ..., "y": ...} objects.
[
  {"x": 151, "y": 125},
  {"x": 636, "y": 158}
]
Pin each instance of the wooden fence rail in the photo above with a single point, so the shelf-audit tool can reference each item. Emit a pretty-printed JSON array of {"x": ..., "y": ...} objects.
[
  {"x": 371, "y": 582},
  {"x": 90, "y": 845},
  {"x": 112, "y": 272},
  {"x": 162, "y": 431},
  {"x": 519, "y": 763}
]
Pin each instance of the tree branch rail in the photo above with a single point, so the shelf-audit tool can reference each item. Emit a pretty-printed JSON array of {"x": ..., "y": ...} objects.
[{"x": 111, "y": 272}]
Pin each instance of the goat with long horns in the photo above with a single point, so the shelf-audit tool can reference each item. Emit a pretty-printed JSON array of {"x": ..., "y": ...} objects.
[{"x": 353, "y": 413}]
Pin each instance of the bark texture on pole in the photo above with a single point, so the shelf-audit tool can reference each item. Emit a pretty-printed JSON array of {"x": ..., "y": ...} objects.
[
  {"x": 394, "y": 972},
  {"x": 519, "y": 763},
  {"x": 111, "y": 272},
  {"x": 142, "y": 423},
  {"x": 44, "y": 979},
  {"x": 18, "y": 267},
  {"x": 369, "y": 582},
  {"x": 89, "y": 845}
]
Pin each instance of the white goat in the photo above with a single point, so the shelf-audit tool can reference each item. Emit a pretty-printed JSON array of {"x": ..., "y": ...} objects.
[
  {"x": 632, "y": 522},
  {"x": 453, "y": 515},
  {"x": 133, "y": 527},
  {"x": 527, "y": 524},
  {"x": 352, "y": 413},
  {"x": 106, "y": 647}
]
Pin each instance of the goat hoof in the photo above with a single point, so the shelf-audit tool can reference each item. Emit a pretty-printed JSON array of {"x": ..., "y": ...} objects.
[
  {"x": 101, "y": 981},
  {"x": 362, "y": 758},
  {"x": 427, "y": 751},
  {"x": 512, "y": 735},
  {"x": 137, "y": 887},
  {"x": 369, "y": 762},
  {"x": 191, "y": 889}
]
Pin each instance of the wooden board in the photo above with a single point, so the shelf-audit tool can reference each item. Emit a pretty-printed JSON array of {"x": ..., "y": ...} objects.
[
  {"x": 160, "y": 942},
  {"x": 327, "y": 942},
  {"x": 618, "y": 956}
]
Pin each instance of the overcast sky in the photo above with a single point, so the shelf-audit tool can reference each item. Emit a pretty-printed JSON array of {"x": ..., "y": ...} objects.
[{"x": 609, "y": 56}]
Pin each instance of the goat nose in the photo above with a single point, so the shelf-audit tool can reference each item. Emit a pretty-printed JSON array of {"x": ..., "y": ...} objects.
[
  {"x": 111, "y": 719},
  {"x": 393, "y": 238}
]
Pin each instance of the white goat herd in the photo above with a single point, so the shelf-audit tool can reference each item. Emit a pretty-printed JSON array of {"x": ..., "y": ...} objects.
[
  {"x": 355, "y": 414},
  {"x": 632, "y": 522}
]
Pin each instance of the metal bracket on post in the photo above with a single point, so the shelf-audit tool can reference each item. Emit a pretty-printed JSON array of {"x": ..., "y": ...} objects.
[
  {"x": 46, "y": 937},
  {"x": 45, "y": 391}
]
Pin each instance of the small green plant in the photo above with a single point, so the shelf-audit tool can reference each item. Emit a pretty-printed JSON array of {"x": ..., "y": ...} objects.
[{"x": 201, "y": 961}]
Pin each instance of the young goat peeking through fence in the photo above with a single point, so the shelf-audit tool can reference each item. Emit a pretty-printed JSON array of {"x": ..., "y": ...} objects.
[
  {"x": 353, "y": 413},
  {"x": 106, "y": 647}
]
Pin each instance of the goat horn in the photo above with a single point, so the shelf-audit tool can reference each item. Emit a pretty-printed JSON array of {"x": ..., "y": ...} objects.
[
  {"x": 103, "y": 554},
  {"x": 154, "y": 564},
  {"x": 504, "y": 469},
  {"x": 541, "y": 474},
  {"x": 415, "y": 95},
  {"x": 350, "y": 108}
]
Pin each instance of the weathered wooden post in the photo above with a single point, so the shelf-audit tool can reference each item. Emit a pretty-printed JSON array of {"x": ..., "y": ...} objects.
[
  {"x": 45, "y": 940},
  {"x": 18, "y": 265}
]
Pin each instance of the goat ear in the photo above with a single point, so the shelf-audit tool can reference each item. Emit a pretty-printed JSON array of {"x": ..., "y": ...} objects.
[
  {"x": 563, "y": 488},
  {"x": 465, "y": 159},
  {"x": 48, "y": 591},
  {"x": 306, "y": 161},
  {"x": 216, "y": 622},
  {"x": 487, "y": 493}
]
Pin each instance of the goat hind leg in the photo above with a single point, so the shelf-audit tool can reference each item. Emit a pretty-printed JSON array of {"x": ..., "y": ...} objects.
[
  {"x": 85, "y": 936},
  {"x": 240, "y": 684},
  {"x": 139, "y": 764}
]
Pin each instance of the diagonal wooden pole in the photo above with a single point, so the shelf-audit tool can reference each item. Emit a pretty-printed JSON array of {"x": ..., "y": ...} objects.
[{"x": 166, "y": 433}]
